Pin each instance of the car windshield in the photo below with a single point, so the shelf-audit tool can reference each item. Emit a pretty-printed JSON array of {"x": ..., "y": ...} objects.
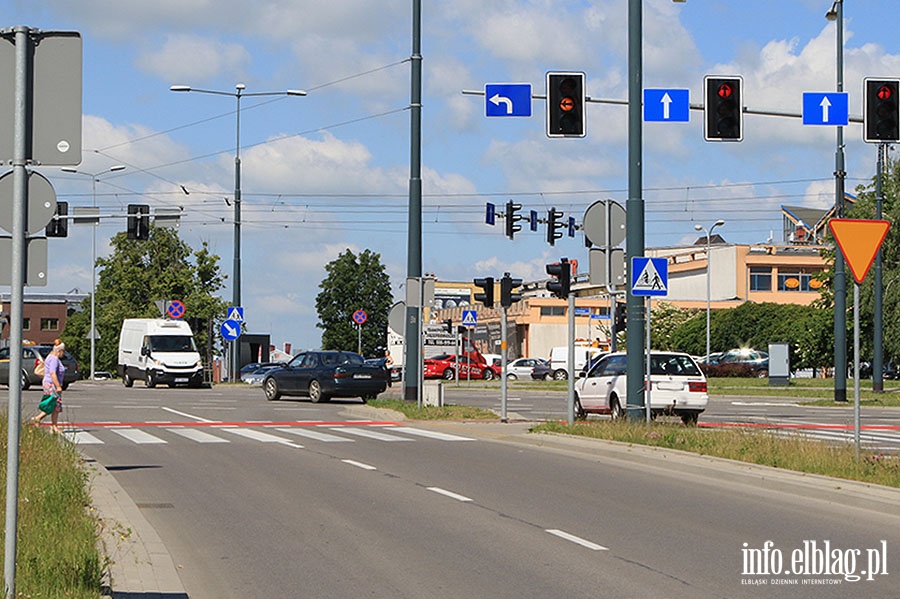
[
  {"x": 673, "y": 364},
  {"x": 442, "y": 357},
  {"x": 172, "y": 343}
]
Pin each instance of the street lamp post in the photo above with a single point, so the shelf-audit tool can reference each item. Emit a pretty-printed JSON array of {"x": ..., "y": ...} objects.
[
  {"x": 239, "y": 93},
  {"x": 708, "y": 232},
  {"x": 95, "y": 177},
  {"x": 836, "y": 13}
]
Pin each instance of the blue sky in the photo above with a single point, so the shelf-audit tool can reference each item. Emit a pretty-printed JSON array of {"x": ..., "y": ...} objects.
[{"x": 330, "y": 171}]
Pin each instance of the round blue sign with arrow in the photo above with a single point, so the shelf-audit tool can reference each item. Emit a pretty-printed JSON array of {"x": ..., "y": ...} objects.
[{"x": 231, "y": 330}]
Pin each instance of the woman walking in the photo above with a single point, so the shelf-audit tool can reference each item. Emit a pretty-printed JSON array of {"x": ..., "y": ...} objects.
[{"x": 51, "y": 402}]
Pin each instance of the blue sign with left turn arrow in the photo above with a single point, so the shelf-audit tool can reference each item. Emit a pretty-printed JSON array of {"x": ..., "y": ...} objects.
[{"x": 507, "y": 99}]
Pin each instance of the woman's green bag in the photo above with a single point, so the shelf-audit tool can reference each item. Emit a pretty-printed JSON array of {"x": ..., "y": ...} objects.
[{"x": 48, "y": 403}]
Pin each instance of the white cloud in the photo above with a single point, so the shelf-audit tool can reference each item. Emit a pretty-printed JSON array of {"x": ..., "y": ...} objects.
[{"x": 188, "y": 58}]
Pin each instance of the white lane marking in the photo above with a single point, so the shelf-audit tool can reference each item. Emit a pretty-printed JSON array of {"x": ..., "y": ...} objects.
[
  {"x": 360, "y": 432},
  {"x": 197, "y": 435},
  {"x": 186, "y": 415},
  {"x": 359, "y": 465},
  {"x": 82, "y": 438},
  {"x": 138, "y": 436},
  {"x": 260, "y": 436},
  {"x": 577, "y": 540},
  {"x": 318, "y": 436},
  {"x": 449, "y": 494},
  {"x": 430, "y": 434}
]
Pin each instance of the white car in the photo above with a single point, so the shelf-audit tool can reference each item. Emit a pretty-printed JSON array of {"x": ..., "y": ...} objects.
[
  {"x": 677, "y": 386},
  {"x": 521, "y": 368}
]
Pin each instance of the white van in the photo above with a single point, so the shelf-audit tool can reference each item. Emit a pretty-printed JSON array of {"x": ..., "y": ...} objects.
[
  {"x": 559, "y": 359},
  {"x": 158, "y": 351}
]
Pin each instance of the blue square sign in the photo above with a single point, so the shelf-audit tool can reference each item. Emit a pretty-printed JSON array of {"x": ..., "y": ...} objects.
[{"x": 507, "y": 99}]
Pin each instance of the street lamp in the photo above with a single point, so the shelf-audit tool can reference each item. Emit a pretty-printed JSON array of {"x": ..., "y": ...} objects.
[
  {"x": 836, "y": 13},
  {"x": 708, "y": 231},
  {"x": 236, "y": 287},
  {"x": 95, "y": 177}
]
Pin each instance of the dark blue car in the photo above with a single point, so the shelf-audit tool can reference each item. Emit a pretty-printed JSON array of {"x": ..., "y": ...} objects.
[{"x": 321, "y": 375}]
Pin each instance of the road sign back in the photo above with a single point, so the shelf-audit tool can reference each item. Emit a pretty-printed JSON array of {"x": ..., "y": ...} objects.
[{"x": 859, "y": 241}]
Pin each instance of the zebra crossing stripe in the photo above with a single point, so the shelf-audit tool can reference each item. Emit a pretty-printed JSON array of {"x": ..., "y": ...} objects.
[
  {"x": 80, "y": 437},
  {"x": 430, "y": 434},
  {"x": 249, "y": 433},
  {"x": 138, "y": 436},
  {"x": 316, "y": 435},
  {"x": 197, "y": 435},
  {"x": 359, "y": 432}
]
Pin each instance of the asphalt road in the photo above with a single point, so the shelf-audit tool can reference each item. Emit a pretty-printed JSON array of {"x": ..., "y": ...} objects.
[{"x": 292, "y": 499}]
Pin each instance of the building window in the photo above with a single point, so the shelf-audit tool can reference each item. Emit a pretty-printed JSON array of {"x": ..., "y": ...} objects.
[
  {"x": 49, "y": 324},
  {"x": 26, "y": 324},
  {"x": 760, "y": 278},
  {"x": 800, "y": 280},
  {"x": 553, "y": 310}
]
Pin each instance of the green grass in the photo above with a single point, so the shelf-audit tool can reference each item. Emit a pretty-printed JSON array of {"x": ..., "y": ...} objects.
[
  {"x": 447, "y": 412},
  {"x": 58, "y": 553},
  {"x": 819, "y": 390},
  {"x": 753, "y": 446}
]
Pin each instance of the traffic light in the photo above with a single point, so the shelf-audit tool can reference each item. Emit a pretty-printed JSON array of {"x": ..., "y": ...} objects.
[
  {"x": 512, "y": 218},
  {"x": 562, "y": 272},
  {"x": 449, "y": 325},
  {"x": 553, "y": 225},
  {"x": 507, "y": 284},
  {"x": 59, "y": 227},
  {"x": 621, "y": 316},
  {"x": 565, "y": 105},
  {"x": 723, "y": 111},
  {"x": 138, "y": 221},
  {"x": 882, "y": 110},
  {"x": 486, "y": 297}
]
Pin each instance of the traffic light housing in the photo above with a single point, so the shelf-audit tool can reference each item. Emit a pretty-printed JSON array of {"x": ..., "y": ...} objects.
[
  {"x": 512, "y": 218},
  {"x": 565, "y": 104},
  {"x": 486, "y": 297},
  {"x": 621, "y": 316},
  {"x": 138, "y": 221},
  {"x": 553, "y": 225},
  {"x": 507, "y": 296},
  {"x": 881, "y": 119},
  {"x": 59, "y": 227},
  {"x": 723, "y": 112},
  {"x": 562, "y": 272},
  {"x": 448, "y": 324}
]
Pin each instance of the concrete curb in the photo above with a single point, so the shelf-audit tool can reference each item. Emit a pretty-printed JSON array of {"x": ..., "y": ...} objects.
[{"x": 140, "y": 565}]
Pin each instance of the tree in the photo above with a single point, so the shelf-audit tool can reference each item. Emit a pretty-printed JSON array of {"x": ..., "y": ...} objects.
[
  {"x": 354, "y": 283},
  {"x": 132, "y": 279},
  {"x": 665, "y": 320}
]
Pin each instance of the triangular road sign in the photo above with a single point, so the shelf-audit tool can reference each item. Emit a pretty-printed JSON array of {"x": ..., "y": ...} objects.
[{"x": 859, "y": 241}]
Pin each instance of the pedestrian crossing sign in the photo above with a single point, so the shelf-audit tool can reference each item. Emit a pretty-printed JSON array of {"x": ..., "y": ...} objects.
[
  {"x": 470, "y": 318},
  {"x": 235, "y": 313},
  {"x": 649, "y": 276}
]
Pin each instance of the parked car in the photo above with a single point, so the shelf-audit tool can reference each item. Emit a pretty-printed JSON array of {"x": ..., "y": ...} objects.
[
  {"x": 677, "y": 386},
  {"x": 322, "y": 375},
  {"x": 445, "y": 367},
  {"x": 495, "y": 367},
  {"x": 757, "y": 360},
  {"x": 256, "y": 377},
  {"x": 31, "y": 355},
  {"x": 542, "y": 371},
  {"x": 523, "y": 367}
]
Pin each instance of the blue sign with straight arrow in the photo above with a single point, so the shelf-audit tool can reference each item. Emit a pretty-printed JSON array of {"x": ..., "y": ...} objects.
[
  {"x": 825, "y": 108},
  {"x": 667, "y": 105},
  {"x": 507, "y": 99}
]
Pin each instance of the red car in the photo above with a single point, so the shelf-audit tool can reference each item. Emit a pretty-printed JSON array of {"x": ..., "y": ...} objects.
[{"x": 445, "y": 367}]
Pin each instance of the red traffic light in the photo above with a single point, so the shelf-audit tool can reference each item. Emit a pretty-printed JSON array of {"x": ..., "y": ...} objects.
[
  {"x": 725, "y": 91},
  {"x": 884, "y": 92}
]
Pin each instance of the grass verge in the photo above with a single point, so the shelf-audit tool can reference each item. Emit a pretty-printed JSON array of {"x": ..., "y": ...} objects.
[
  {"x": 58, "y": 553},
  {"x": 448, "y": 412},
  {"x": 753, "y": 446}
]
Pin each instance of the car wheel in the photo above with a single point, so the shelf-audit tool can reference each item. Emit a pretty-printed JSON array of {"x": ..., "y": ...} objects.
[
  {"x": 448, "y": 374},
  {"x": 580, "y": 414},
  {"x": 270, "y": 387},
  {"x": 149, "y": 379},
  {"x": 547, "y": 377},
  {"x": 762, "y": 374},
  {"x": 511, "y": 377},
  {"x": 26, "y": 383},
  {"x": 315, "y": 392},
  {"x": 560, "y": 375},
  {"x": 369, "y": 397},
  {"x": 488, "y": 374},
  {"x": 615, "y": 409},
  {"x": 690, "y": 418},
  {"x": 127, "y": 380}
]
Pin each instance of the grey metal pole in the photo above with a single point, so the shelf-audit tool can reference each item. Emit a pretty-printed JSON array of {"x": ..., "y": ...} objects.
[
  {"x": 877, "y": 316},
  {"x": 856, "y": 367},
  {"x": 414, "y": 233},
  {"x": 840, "y": 277},
  {"x": 236, "y": 268},
  {"x": 634, "y": 210},
  {"x": 708, "y": 293},
  {"x": 570, "y": 362},
  {"x": 503, "y": 361},
  {"x": 20, "y": 205}
]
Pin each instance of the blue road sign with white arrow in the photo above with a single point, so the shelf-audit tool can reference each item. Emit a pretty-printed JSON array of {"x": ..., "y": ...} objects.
[
  {"x": 667, "y": 105},
  {"x": 825, "y": 108},
  {"x": 507, "y": 99},
  {"x": 230, "y": 329}
]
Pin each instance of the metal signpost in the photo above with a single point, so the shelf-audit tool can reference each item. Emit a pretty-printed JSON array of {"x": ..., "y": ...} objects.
[{"x": 649, "y": 278}]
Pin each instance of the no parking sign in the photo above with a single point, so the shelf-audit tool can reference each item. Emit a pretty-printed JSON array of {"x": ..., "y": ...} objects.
[{"x": 175, "y": 309}]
